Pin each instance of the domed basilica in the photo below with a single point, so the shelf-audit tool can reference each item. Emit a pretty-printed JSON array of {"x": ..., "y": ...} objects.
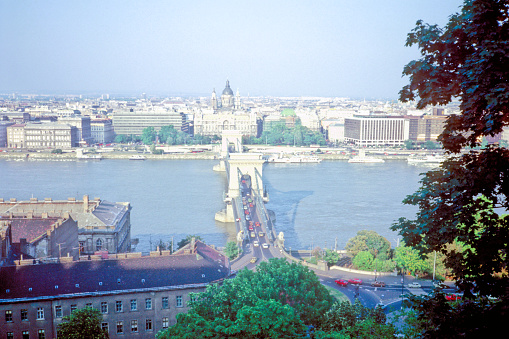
[{"x": 228, "y": 101}]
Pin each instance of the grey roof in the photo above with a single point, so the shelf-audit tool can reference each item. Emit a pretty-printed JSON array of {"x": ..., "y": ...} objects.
[
  {"x": 227, "y": 90},
  {"x": 111, "y": 276}
]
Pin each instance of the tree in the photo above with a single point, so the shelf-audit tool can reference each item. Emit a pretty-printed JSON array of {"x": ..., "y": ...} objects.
[
  {"x": 187, "y": 240},
  {"x": 231, "y": 250},
  {"x": 409, "y": 144},
  {"x": 148, "y": 135},
  {"x": 409, "y": 259},
  {"x": 467, "y": 59},
  {"x": 430, "y": 145},
  {"x": 331, "y": 257},
  {"x": 370, "y": 241},
  {"x": 345, "y": 320},
  {"x": 84, "y": 323},
  {"x": 273, "y": 302}
]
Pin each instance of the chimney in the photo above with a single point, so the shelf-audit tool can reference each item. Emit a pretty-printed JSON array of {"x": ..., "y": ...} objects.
[{"x": 85, "y": 203}]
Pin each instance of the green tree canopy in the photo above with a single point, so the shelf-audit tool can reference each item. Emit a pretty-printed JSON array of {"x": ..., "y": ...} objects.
[
  {"x": 231, "y": 250},
  {"x": 84, "y": 323},
  {"x": 273, "y": 302},
  {"x": 467, "y": 59},
  {"x": 410, "y": 259},
  {"x": 148, "y": 135},
  {"x": 371, "y": 241}
]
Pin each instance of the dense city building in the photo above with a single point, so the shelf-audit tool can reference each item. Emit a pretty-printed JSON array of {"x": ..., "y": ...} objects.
[
  {"x": 50, "y": 135},
  {"x": 133, "y": 122},
  {"x": 376, "y": 131},
  {"x": 136, "y": 295},
  {"x": 83, "y": 134},
  {"x": 102, "y": 225},
  {"x": 102, "y": 131}
]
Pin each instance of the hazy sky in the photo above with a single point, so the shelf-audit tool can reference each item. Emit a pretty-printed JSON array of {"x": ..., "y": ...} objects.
[{"x": 344, "y": 48}]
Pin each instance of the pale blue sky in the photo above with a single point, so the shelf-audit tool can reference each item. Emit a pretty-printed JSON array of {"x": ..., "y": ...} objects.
[{"x": 344, "y": 48}]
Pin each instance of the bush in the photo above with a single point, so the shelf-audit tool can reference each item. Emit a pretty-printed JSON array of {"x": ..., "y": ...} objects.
[{"x": 56, "y": 151}]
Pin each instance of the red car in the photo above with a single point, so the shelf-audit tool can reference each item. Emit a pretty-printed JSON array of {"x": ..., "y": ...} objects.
[
  {"x": 452, "y": 297},
  {"x": 355, "y": 281},
  {"x": 251, "y": 228},
  {"x": 257, "y": 224},
  {"x": 341, "y": 282},
  {"x": 378, "y": 284}
]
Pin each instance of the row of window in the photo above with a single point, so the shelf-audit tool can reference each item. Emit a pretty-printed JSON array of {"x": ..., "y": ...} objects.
[
  {"x": 119, "y": 307},
  {"x": 135, "y": 325},
  {"x": 26, "y": 334},
  {"x": 24, "y": 314}
]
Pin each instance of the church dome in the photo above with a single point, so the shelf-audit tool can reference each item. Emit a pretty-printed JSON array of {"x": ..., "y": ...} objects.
[{"x": 227, "y": 90}]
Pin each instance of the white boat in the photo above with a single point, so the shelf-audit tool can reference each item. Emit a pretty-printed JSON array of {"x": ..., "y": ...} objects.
[
  {"x": 137, "y": 157},
  {"x": 363, "y": 159},
  {"x": 433, "y": 159}
]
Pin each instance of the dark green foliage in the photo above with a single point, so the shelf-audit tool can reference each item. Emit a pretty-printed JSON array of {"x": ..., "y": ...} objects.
[
  {"x": 435, "y": 317},
  {"x": 84, "y": 323},
  {"x": 148, "y": 136},
  {"x": 467, "y": 59},
  {"x": 345, "y": 320},
  {"x": 273, "y": 302}
]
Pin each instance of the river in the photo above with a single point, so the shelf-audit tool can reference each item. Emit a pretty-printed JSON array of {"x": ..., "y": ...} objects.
[{"x": 314, "y": 203}]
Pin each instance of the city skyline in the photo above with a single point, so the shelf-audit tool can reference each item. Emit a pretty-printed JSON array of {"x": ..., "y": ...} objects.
[{"x": 298, "y": 48}]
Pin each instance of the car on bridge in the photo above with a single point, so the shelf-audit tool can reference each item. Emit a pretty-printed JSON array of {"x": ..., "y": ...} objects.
[
  {"x": 341, "y": 282},
  {"x": 355, "y": 281}
]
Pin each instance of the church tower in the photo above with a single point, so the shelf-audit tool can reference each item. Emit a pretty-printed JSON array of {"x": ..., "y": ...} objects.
[
  {"x": 213, "y": 100},
  {"x": 227, "y": 96}
]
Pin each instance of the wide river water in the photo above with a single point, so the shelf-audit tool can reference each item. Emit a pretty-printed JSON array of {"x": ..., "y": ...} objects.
[{"x": 315, "y": 204}]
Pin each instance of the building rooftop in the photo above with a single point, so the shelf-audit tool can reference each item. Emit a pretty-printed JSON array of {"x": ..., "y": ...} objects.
[{"x": 111, "y": 276}]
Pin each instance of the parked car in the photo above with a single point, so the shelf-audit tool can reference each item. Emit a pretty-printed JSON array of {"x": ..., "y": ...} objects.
[
  {"x": 378, "y": 284},
  {"x": 452, "y": 297},
  {"x": 341, "y": 282},
  {"x": 355, "y": 281},
  {"x": 414, "y": 285}
]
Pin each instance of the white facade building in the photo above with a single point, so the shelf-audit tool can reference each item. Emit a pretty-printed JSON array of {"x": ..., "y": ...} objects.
[{"x": 370, "y": 131}]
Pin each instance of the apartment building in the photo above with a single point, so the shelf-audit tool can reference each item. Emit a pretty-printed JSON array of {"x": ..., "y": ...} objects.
[
  {"x": 137, "y": 296},
  {"x": 376, "y": 131}
]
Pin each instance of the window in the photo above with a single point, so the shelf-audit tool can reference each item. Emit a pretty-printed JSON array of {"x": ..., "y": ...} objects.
[
  {"x": 25, "y": 335},
  {"x": 134, "y": 325},
  {"x": 120, "y": 327},
  {"x": 105, "y": 327},
  {"x": 165, "y": 303},
  {"x": 10, "y": 335},
  {"x": 41, "y": 334},
  {"x": 74, "y": 307},
  {"x": 40, "y": 313},
  {"x": 148, "y": 325},
  {"x": 8, "y": 316},
  {"x": 58, "y": 311},
  {"x": 118, "y": 306},
  {"x": 179, "y": 301},
  {"x": 104, "y": 307},
  {"x": 89, "y": 305},
  {"x": 134, "y": 305},
  {"x": 24, "y": 315},
  {"x": 148, "y": 303},
  {"x": 165, "y": 323},
  {"x": 98, "y": 244}
]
